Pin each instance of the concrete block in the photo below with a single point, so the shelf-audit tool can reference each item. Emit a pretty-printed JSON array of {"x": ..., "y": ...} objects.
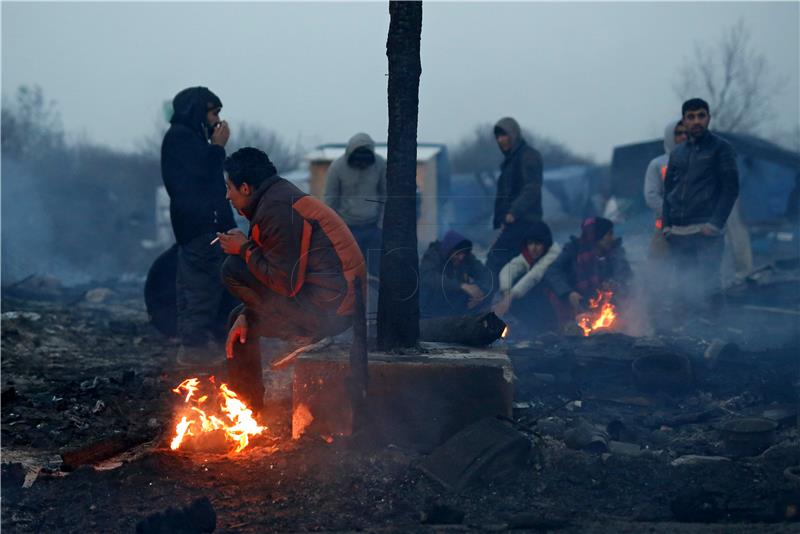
[{"x": 415, "y": 401}]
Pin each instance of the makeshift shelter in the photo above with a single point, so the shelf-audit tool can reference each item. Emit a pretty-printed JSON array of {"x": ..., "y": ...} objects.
[
  {"x": 768, "y": 175},
  {"x": 433, "y": 180}
]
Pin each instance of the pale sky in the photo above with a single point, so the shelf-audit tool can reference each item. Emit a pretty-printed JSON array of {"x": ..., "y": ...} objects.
[{"x": 592, "y": 75}]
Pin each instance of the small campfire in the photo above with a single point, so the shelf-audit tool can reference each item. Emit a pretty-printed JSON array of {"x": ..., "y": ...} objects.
[
  {"x": 213, "y": 417},
  {"x": 601, "y": 315}
]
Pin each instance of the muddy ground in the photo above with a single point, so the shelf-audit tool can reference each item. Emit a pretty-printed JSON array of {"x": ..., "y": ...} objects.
[{"x": 83, "y": 365}]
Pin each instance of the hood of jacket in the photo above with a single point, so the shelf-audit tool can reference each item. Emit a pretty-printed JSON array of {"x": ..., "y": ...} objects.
[
  {"x": 359, "y": 140},
  {"x": 453, "y": 241},
  {"x": 511, "y": 127},
  {"x": 669, "y": 137},
  {"x": 190, "y": 107}
]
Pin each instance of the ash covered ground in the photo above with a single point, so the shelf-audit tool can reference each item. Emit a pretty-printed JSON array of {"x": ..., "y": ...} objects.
[{"x": 610, "y": 451}]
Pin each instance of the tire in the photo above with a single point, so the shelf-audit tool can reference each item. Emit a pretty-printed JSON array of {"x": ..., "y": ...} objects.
[{"x": 160, "y": 292}]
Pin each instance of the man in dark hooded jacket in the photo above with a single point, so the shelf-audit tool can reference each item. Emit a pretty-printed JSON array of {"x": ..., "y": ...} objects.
[
  {"x": 587, "y": 265},
  {"x": 454, "y": 281},
  {"x": 519, "y": 193},
  {"x": 192, "y": 155}
]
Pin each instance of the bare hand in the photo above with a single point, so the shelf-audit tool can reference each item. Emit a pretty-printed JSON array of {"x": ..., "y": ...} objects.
[
  {"x": 221, "y": 134},
  {"x": 232, "y": 241},
  {"x": 238, "y": 331},
  {"x": 501, "y": 308},
  {"x": 509, "y": 218},
  {"x": 709, "y": 230},
  {"x": 576, "y": 301},
  {"x": 473, "y": 291}
]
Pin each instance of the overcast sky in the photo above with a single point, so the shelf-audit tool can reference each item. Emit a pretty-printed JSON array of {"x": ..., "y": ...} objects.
[{"x": 592, "y": 75}]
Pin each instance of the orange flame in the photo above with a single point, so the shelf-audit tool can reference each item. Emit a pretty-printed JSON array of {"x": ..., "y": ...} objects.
[
  {"x": 601, "y": 315},
  {"x": 239, "y": 427}
]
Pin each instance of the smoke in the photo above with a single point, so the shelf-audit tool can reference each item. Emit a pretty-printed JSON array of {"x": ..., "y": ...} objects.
[{"x": 77, "y": 214}]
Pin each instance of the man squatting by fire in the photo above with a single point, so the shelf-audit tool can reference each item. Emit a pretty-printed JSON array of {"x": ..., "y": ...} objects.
[
  {"x": 588, "y": 265},
  {"x": 295, "y": 272}
]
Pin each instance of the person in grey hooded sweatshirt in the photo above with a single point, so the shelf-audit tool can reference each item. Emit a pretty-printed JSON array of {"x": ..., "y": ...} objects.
[
  {"x": 355, "y": 188},
  {"x": 674, "y": 134},
  {"x": 518, "y": 201}
]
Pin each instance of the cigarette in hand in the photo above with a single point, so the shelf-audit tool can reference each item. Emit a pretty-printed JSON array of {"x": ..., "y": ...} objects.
[{"x": 214, "y": 240}]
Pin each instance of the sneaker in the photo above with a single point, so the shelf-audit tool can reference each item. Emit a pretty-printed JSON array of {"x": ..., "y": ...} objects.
[{"x": 208, "y": 354}]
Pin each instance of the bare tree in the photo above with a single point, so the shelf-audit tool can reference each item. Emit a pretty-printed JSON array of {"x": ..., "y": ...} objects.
[
  {"x": 734, "y": 78},
  {"x": 283, "y": 156},
  {"x": 478, "y": 153},
  {"x": 30, "y": 124},
  {"x": 398, "y": 300}
]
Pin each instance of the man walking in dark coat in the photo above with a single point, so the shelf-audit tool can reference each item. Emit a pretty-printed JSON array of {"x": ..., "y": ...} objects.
[
  {"x": 192, "y": 155},
  {"x": 700, "y": 189},
  {"x": 519, "y": 193}
]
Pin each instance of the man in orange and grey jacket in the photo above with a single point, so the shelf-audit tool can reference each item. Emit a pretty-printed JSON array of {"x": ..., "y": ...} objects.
[{"x": 296, "y": 272}]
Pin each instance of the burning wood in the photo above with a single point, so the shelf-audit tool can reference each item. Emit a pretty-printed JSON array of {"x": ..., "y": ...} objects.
[
  {"x": 233, "y": 419},
  {"x": 602, "y": 314}
]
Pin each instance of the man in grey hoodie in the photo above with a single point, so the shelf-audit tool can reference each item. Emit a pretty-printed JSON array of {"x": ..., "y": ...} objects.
[
  {"x": 674, "y": 134},
  {"x": 355, "y": 188}
]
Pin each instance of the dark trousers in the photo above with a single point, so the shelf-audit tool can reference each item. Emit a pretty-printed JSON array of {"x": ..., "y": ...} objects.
[
  {"x": 200, "y": 292},
  {"x": 269, "y": 315},
  {"x": 369, "y": 238},
  {"x": 507, "y": 246},
  {"x": 696, "y": 261},
  {"x": 535, "y": 313}
]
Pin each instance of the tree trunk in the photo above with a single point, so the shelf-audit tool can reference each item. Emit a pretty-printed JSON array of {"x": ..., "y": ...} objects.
[{"x": 398, "y": 301}]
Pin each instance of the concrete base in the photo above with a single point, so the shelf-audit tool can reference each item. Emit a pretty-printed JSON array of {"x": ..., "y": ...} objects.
[{"x": 416, "y": 401}]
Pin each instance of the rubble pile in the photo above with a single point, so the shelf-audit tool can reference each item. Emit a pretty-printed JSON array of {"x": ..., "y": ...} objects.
[{"x": 690, "y": 430}]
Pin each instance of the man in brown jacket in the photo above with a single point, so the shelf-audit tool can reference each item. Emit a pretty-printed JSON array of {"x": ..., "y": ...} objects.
[{"x": 296, "y": 272}]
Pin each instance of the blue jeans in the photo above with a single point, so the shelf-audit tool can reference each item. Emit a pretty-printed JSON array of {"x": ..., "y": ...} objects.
[{"x": 369, "y": 238}]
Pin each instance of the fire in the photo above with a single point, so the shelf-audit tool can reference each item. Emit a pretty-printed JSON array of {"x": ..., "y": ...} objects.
[
  {"x": 602, "y": 313},
  {"x": 233, "y": 418},
  {"x": 504, "y": 333}
]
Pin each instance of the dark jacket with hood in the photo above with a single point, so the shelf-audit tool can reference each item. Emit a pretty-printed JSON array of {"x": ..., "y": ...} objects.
[
  {"x": 192, "y": 169},
  {"x": 701, "y": 184},
  {"x": 582, "y": 268},
  {"x": 299, "y": 247},
  {"x": 519, "y": 188},
  {"x": 440, "y": 290}
]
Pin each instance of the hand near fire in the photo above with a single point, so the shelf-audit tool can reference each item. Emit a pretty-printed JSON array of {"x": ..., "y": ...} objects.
[
  {"x": 475, "y": 294},
  {"x": 232, "y": 241},
  {"x": 238, "y": 331},
  {"x": 501, "y": 308}
]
